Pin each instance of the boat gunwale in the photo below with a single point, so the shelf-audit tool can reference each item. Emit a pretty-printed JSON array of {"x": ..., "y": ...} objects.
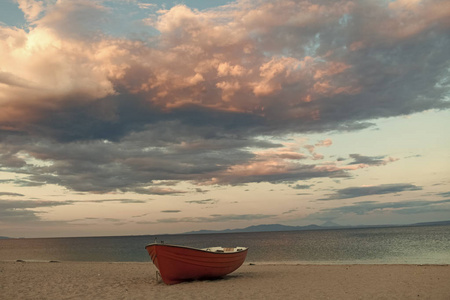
[{"x": 198, "y": 249}]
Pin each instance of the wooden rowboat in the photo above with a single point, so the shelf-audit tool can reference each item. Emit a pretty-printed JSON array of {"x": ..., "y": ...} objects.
[{"x": 178, "y": 263}]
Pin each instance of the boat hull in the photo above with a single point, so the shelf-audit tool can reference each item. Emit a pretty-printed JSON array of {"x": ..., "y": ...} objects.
[{"x": 177, "y": 264}]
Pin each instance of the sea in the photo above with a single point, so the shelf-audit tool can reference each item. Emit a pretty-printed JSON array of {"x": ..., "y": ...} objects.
[{"x": 387, "y": 245}]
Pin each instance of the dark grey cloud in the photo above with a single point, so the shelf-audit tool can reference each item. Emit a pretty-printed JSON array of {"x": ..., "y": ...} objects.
[
  {"x": 205, "y": 201},
  {"x": 9, "y": 160},
  {"x": 414, "y": 156},
  {"x": 26, "y": 210},
  {"x": 401, "y": 207},
  {"x": 24, "y": 204},
  {"x": 125, "y": 201},
  {"x": 216, "y": 218},
  {"x": 140, "y": 216},
  {"x": 353, "y": 192},
  {"x": 25, "y": 183},
  {"x": 298, "y": 172},
  {"x": 18, "y": 215},
  {"x": 155, "y": 191},
  {"x": 367, "y": 160},
  {"x": 140, "y": 161},
  {"x": 11, "y": 194},
  {"x": 22, "y": 210},
  {"x": 97, "y": 219},
  {"x": 290, "y": 211},
  {"x": 302, "y": 186},
  {"x": 168, "y": 152},
  {"x": 90, "y": 221}
]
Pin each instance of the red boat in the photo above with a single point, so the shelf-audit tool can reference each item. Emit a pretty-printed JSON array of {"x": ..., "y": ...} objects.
[{"x": 178, "y": 263}]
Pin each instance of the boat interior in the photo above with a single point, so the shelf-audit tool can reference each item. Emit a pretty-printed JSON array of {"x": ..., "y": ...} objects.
[{"x": 224, "y": 250}]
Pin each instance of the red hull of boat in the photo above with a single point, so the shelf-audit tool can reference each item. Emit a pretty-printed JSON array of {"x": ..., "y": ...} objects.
[{"x": 177, "y": 264}]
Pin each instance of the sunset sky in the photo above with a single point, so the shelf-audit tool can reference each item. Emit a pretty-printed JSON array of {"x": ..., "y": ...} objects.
[{"x": 130, "y": 117}]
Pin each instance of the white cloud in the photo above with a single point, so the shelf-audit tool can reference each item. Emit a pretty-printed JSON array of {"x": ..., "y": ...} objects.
[{"x": 31, "y": 8}]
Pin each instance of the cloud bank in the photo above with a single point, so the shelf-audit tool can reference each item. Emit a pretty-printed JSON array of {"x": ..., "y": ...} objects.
[
  {"x": 354, "y": 192},
  {"x": 200, "y": 100}
]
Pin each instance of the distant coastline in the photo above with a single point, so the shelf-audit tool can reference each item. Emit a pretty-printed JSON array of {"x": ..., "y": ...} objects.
[
  {"x": 272, "y": 228},
  {"x": 326, "y": 226}
]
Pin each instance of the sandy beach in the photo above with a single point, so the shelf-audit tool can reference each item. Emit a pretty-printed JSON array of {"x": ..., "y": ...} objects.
[{"x": 84, "y": 280}]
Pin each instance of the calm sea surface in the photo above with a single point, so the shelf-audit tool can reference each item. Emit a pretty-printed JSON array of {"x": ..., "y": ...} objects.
[{"x": 398, "y": 245}]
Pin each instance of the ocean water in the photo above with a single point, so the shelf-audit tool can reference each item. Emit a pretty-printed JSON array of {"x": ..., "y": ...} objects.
[{"x": 396, "y": 245}]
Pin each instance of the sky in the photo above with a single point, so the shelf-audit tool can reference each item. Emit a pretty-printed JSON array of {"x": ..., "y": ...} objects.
[{"x": 133, "y": 117}]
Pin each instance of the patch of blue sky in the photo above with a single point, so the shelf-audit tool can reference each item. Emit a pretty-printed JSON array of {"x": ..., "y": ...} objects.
[
  {"x": 345, "y": 19},
  {"x": 10, "y": 14},
  {"x": 200, "y": 4},
  {"x": 133, "y": 19},
  {"x": 164, "y": 4},
  {"x": 311, "y": 47},
  {"x": 126, "y": 18}
]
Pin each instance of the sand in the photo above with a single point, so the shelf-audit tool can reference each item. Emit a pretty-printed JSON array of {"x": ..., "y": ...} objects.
[{"x": 84, "y": 280}]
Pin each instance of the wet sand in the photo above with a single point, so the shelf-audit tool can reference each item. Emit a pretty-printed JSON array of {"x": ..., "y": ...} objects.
[{"x": 84, "y": 280}]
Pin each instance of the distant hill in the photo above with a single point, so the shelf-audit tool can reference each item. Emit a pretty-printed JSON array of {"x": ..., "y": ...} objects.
[
  {"x": 327, "y": 225},
  {"x": 263, "y": 228},
  {"x": 439, "y": 223},
  {"x": 4, "y": 237},
  {"x": 330, "y": 224}
]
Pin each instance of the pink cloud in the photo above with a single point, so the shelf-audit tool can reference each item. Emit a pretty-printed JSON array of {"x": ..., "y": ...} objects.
[
  {"x": 324, "y": 143},
  {"x": 31, "y": 8},
  {"x": 403, "y": 19},
  {"x": 244, "y": 57}
]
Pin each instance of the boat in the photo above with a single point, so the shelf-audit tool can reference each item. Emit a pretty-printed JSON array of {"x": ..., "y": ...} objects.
[{"x": 179, "y": 263}]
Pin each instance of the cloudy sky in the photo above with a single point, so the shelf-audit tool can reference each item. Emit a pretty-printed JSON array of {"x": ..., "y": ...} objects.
[{"x": 137, "y": 117}]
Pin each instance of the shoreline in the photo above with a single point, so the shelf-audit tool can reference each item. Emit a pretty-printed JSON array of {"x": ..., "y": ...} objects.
[
  {"x": 246, "y": 263},
  {"x": 137, "y": 280}
]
